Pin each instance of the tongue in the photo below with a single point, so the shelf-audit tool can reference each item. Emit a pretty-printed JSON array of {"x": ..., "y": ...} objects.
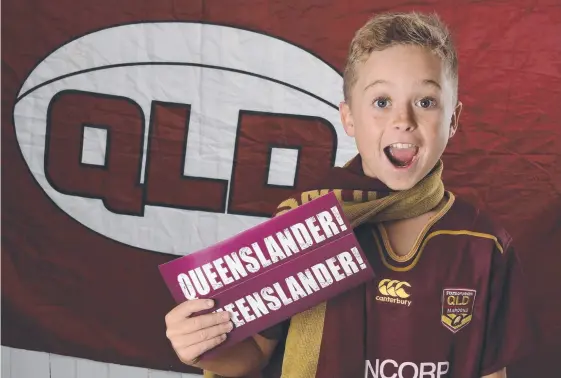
[{"x": 403, "y": 155}]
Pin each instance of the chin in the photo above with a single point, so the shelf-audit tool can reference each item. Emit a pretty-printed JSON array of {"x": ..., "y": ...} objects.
[
  {"x": 400, "y": 185},
  {"x": 400, "y": 179}
]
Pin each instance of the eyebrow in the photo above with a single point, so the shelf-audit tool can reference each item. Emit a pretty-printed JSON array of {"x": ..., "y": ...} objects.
[
  {"x": 432, "y": 83},
  {"x": 424, "y": 82},
  {"x": 374, "y": 83}
]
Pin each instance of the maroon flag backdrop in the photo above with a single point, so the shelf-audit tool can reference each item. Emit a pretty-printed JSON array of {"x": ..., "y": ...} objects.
[{"x": 93, "y": 290}]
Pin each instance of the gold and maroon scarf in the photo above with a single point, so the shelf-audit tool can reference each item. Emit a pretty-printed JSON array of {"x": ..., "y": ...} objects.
[{"x": 364, "y": 200}]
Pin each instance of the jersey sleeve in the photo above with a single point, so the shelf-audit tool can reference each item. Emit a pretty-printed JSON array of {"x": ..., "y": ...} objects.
[{"x": 511, "y": 330}]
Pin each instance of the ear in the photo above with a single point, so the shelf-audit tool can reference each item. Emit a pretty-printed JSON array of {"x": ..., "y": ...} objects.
[
  {"x": 347, "y": 118},
  {"x": 454, "y": 122}
]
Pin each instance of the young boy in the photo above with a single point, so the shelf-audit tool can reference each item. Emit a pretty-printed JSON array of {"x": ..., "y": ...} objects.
[{"x": 447, "y": 300}]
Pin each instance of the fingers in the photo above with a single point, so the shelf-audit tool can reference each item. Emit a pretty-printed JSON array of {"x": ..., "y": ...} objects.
[
  {"x": 201, "y": 336},
  {"x": 197, "y": 323},
  {"x": 190, "y": 354},
  {"x": 191, "y": 336},
  {"x": 186, "y": 309}
]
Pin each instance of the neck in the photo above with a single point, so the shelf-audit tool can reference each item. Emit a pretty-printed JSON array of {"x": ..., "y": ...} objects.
[{"x": 367, "y": 171}]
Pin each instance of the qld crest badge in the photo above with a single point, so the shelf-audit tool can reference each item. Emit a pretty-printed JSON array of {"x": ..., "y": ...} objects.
[{"x": 457, "y": 308}]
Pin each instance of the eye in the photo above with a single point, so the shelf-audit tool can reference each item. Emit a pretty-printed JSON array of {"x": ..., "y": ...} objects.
[
  {"x": 427, "y": 103},
  {"x": 381, "y": 102}
]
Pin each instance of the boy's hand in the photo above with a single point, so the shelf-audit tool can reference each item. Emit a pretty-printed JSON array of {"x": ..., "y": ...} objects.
[{"x": 192, "y": 336}]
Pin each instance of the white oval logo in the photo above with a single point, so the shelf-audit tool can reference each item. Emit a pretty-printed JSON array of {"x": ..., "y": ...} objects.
[{"x": 173, "y": 136}]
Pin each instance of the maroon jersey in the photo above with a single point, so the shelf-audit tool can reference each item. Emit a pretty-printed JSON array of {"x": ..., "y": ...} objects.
[{"x": 453, "y": 307}]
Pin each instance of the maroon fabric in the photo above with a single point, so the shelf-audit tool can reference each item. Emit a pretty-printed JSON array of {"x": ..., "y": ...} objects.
[
  {"x": 368, "y": 324},
  {"x": 68, "y": 290}
]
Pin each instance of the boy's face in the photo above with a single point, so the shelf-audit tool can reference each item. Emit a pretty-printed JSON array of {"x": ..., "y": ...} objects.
[{"x": 401, "y": 114}]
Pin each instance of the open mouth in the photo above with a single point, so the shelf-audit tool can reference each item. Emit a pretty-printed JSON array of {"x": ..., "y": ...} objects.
[{"x": 401, "y": 155}]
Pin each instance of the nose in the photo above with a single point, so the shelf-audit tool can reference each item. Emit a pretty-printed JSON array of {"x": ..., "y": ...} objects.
[
  {"x": 404, "y": 126},
  {"x": 404, "y": 119}
]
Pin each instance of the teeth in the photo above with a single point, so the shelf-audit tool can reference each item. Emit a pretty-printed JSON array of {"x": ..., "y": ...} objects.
[{"x": 402, "y": 145}]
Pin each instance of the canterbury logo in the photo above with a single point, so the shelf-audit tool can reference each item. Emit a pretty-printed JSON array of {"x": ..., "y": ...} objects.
[{"x": 393, "y": 288}]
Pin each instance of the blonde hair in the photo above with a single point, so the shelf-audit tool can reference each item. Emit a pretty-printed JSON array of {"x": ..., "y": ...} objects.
[{"x": 390, "y": 29}]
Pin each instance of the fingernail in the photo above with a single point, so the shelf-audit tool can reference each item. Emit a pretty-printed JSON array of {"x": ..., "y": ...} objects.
[
  {"x": 230, "y": 326},
  {"x": 209, "y": 303},
  {"x": 225, "y": 315}
]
